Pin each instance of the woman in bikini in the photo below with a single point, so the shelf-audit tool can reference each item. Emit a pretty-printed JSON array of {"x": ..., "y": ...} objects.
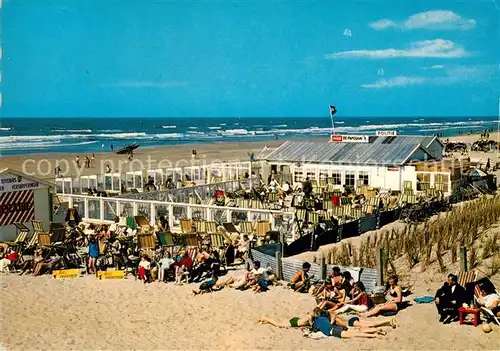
[
  {"x": 294, "y": 322},
  {"x": 396, "y": 302}
]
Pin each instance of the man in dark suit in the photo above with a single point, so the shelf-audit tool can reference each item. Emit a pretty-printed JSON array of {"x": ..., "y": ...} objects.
[{"x": 449, "y": 298}]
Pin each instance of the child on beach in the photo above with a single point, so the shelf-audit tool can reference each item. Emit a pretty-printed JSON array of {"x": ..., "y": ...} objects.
[
  {"x": 93, "y": 253},
  {"x": 207, "y": 286}
]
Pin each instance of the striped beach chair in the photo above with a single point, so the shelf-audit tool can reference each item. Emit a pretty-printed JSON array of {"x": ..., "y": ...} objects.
[
  {"x": 467, "y": 277},
  {"x": 186, "y": 226},
  {"x": 246, "y": 227}
]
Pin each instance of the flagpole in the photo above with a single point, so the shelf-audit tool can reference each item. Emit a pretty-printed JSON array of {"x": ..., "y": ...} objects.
[{"x": 333, "y": 123}]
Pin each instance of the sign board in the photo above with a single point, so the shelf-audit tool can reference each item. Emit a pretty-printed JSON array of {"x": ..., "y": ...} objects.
[
  {"x": 392, "y": 169},
  {"x": 349, "y": 138},
  {"x": 13, "y": 182},
  {"x": 17, "y": 206},
  {"x": 386, "y": 133},
  {"x": 110, "y": 275},
  {"x": 66, "y": 273}
]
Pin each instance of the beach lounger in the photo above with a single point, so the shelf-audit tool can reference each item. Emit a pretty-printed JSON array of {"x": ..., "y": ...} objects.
[
  {"x": 246, "y": 227},
  {"x": 200, "y": 227},
  {"x": 312, "y": 217},
  {"x": 37, "y": 226},
  {"x": 57, "y": 232},
  {"x": 43, "y": 239},
  {"x": 187, "y": 226},
  {"x": 143, "y": 224},
  {"x": 467, "y": 277},
  {"x": 146, "y": 241},
  {"x": 192, "y": 240},
  {"x": 165, "y": 239},
  {"x": 22, "y": 233},
  {"x": 262, "y": 228}
]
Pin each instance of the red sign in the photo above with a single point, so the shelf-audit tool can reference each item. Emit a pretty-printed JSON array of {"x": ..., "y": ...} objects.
[
  {"x": 336, "y": 138},
  {"x": 17, "y": 206},
  {"x": 392, "y": 169}
]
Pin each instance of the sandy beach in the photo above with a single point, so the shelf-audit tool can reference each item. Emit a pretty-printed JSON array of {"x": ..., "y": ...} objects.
[
  {"x": 85, "y": 313},
  {"x": 42, "y": 165}
]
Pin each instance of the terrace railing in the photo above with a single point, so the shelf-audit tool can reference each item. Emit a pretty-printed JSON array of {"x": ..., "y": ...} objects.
[{"x": 105, "y": 210}]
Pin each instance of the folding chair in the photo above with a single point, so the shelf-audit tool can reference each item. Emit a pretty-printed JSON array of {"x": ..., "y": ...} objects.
[
  {"x": 37, "y": 226},
  {"x": 146, "y": 241},
  {"x": 246, "y": 227},
  {"x": 312, "y": 217},
  {"x": 57, "y": 232},
  {"x": 210, "y": 227},
  {"x": 143, "y": 224},
  {"x": 20, "y": 239},
  {"x": 44, "y": 239},
  {"x": 165, "y": 239},
  {"x": 186, "y": 226},
  {"x": 192, "y": 240}
]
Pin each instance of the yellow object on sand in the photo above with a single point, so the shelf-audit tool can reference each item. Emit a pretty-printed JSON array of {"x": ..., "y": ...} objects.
[
  {"x": 486, "y": 327},
  {"x": 66, "y": 273},
  {"x": 111, "y": 275}
]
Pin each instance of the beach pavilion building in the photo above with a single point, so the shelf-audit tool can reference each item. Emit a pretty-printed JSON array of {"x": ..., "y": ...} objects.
[
  {"x": 23, "y": 198},
  {"x": 385, "y": 162}
]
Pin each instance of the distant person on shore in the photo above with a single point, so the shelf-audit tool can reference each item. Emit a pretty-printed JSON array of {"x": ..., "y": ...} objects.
[
  {"x": 77, "y": 161},
  {"x": 92, "y": 160},
  {"x": 252, "y": 156},
  {"x": 111, "y": 147},
  {"x": 58, "y": 171},
  {"x": 108, "y": 169},
  {"x": 193, "y": 154}
]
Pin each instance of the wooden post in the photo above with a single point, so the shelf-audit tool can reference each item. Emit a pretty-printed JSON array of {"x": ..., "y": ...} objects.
[
  {"x": 463, "y": 259},
  {"x": 279, "y": 267},
  {"x": 380, "y": 266},
  {"x": 322, "y": 268}
]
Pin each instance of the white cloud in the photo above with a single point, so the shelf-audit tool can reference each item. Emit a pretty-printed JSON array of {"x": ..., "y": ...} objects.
[
  {"x": 148, "y": 84},
  {"x": 434, "y": 19},
  {"x": 446, "y": 76},
  {"x": 437, "y": 48},
  {"x": 439, "y": 19},
  {"x": 400, "y": 81},
  {"x": 382, "y": 24}
]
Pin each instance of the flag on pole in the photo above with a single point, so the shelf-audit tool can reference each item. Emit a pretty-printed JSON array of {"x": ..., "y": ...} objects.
[{"x": 333, "y": 110}]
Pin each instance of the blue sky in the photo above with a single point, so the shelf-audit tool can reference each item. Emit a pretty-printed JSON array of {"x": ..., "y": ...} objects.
[{"x": 86, "y": 58}]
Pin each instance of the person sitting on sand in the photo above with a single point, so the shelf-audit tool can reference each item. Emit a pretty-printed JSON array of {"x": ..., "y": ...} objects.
[
  {"x": 184, "y": 264},
  {"x": 395, "y": 302},
  {"x": 252, "y": 277},
  {"x": 360, "y": 302},
  {"x": 300, "y": 281},
  {"x": 145, "y": 269},
  {"x": 203, "y": 265},
  {"x": 332, "y": 280},
  {"x": 207, "y": 286},
  {"x": 449, "y": 298},
  {"x": 43, "y": 265},
  {"x": 164, "y": 267}
]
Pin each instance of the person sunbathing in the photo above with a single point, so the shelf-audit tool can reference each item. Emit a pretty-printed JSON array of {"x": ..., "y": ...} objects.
[
  {"x": 395, "y": 303},
  {"x": 333, "y": 327},
  {"x": 255, "y": 276},
  {"x": 49, "y": 265},
  {"x": 300, "y": 281},
  {"x": 294, "y": 322},
  {"x": 332, "y": 281},
  {"x": 489, "y": 298}
]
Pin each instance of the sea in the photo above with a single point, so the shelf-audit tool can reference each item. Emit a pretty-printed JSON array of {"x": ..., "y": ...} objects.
[{"x": 22, "y": 136}]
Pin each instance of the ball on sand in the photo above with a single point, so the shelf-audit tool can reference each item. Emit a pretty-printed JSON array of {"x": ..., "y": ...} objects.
[{"x": 486, "y": 327}]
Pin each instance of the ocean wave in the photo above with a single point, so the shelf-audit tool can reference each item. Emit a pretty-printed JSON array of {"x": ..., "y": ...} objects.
[
  {"x": 4, "y": 129},
  {"x": 192, "y": 127},
  {"x": 110, "y": 131},
  {"x": 214, "y": 128},
  {"x": 280, "y": 126},
  {"x": 168, "y": 136},
  {"x": 71, "y": 130},
  {"x": 47, "y": 144},
  {"x": 169, "y": 127}
]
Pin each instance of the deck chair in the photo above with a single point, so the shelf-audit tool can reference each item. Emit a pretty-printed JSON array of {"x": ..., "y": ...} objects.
[
  {"x": 490, "y": 316},
  {"x": 246, "y": 227},
  {"x": 22, "y": 233},
  {"x": 44, "y": 239},
  {"x": 210, "y": 227},
  {"x": 165, "y": 239},
  {"x": 146, "y": 241},
  {"x": 143, "y": 224},
  {"x": 313, "y": 217},
  {"x": 192, "y": 240},
  {"x": 186, "y": 226},
  {"x": 467, "y": 277},
  {"x": 262, "y": 228},
  {"x": 37, "y": 226},
  {"x": 217, "y": 240},
  {"x": 200, "y": 227}
]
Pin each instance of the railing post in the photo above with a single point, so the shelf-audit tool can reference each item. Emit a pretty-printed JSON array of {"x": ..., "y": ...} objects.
[
  {"x": 322, "y": 268},
  {"x": 189, "y": 212},
  {"x": 380, "y": 266},
  {"x": 86, "y": 208},
  {"x": 152, "y": 215},
  {"x": 134, "y": 209},
  {"x": 272, "y": 220},
  {"x": 209, "y": 214},
  {"x": 279, "y": 267},
  {"x": 101, "y": 209},
  {"x": 118, "y": 212},
  {"x": 171, "y": 216},
  {"x": 229, "y": 216},
  {"x": 463, "y": 259},
  {"x": 70, "y": 202}
]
